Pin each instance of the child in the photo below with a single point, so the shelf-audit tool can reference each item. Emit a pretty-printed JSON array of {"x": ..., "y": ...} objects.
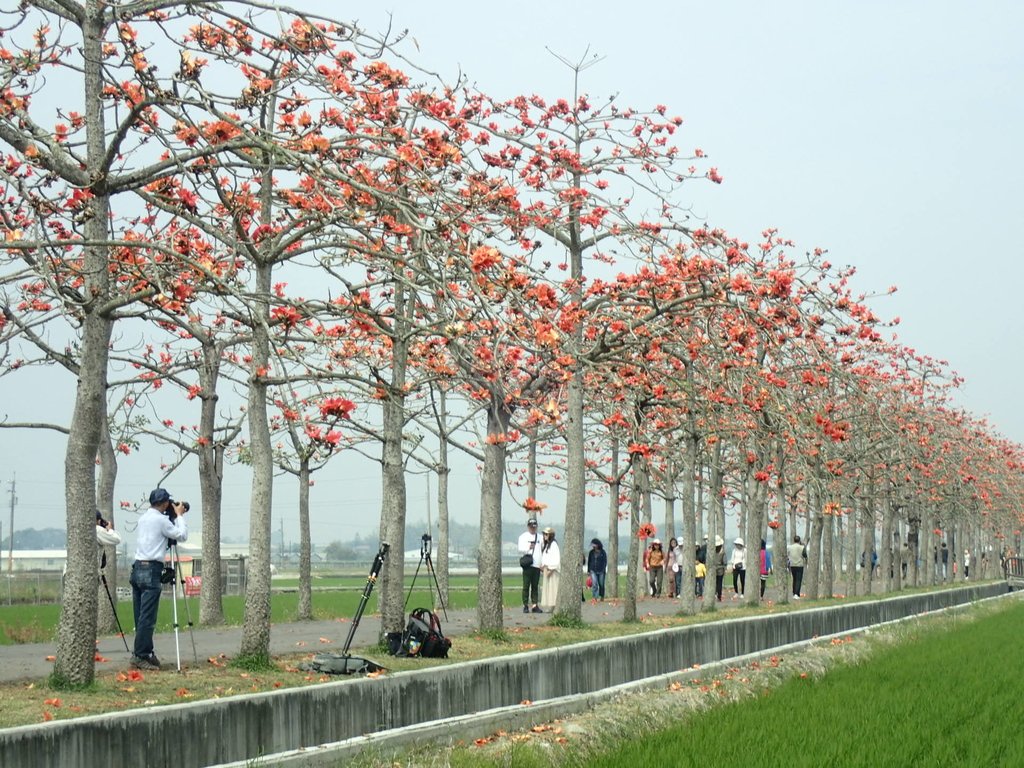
[{"x": 700, "y": 571}]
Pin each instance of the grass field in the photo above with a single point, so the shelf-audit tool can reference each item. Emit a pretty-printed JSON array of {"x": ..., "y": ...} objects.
[
  {"x": 945, "y": 692},
  {"x": 35, "y": 623}
]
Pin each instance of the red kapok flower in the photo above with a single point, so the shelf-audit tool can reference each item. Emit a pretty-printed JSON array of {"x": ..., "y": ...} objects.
[
  {"x": 532, "y": 505},
  {"x": 647, "y": 530},
  {"x": 336, "y": 406}
]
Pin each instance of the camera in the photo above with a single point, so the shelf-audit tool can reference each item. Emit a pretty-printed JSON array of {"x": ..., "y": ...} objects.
[
  {"x": 171, "y": 514},
  {"x": 425, "y": 545}
]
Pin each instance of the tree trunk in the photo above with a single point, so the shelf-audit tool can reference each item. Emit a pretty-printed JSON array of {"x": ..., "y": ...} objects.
[
  {"x": 443, "y": 473},
  {"x": 490, "y": 613},
  {"x": 688, "y": 530},
  {"x": 813, "y": 568},
  {"x": 211, "y": 487},
  {"x": 394, "y": 494},
  {"x": 885, "y": 561},
  {"x": 255, "y": 643},
  {"x": 851, "y": 549},
  {"x": 716, "y": 518},
  {"x": 305, "y": 608},
  {"x": 76, "y": 631},
  {"x": 629, "y": 613},
  {"x": 614, "y": 489},
  {"x": 642, "y": 478},
  {"x": 827, "y": 572},
  {"x": 669, "y": 529},
  {"x": 756, "y": 526},
  {"x": 570, "y": 585}
]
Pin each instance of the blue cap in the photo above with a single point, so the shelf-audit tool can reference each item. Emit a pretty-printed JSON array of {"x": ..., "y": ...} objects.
[{"x": 159, "y": 496}]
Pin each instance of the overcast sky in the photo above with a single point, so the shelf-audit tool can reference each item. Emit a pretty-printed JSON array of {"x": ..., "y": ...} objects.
[{"x": 887, "y": 133}]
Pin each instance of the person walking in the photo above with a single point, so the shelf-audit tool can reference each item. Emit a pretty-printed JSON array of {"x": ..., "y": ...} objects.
[
  {"x": 597, "y": 567},
  {"x": 550, "y": 565},
  {"x": 529, "y": 561},
  {"x": 718, "y": 560},
  {"x": 656, "y": 567},
  {"x": 702, "y": 552},
  {"x": 700, "y": 572},
  {"x": 739, "y": 572},
  {"x": 672, "y": 560},
  {"x": 157, "y": 527},
  {"x": 766, "y": 566},
  {"x": 797, "y": 553}
]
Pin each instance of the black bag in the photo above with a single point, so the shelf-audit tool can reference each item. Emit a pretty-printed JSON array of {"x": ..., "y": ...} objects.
[
  {"x": 526, "y": 561},
  {"x": 423, "y": 636}
]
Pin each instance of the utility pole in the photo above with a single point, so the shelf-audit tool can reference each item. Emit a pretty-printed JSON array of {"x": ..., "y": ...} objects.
[{"x": 10, "y": 549}]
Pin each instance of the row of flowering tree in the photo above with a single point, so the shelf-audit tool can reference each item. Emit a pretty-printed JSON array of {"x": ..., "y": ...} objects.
[{"x": 275, "y": 224}]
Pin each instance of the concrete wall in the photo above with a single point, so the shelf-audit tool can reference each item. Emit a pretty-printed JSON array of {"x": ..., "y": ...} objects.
[{"x": 246, "y": 727}]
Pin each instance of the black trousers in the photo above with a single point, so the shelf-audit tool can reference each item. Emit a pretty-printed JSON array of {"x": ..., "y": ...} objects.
[
  {"x": 531, "y": 586},
  {"x": 798, "y": 578}
]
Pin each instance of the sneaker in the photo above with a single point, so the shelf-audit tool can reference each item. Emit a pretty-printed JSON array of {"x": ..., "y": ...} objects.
[
  {"x": 526, "y": 609},
  {"x": 154, "y": 661},
  {"x": 537, "y": 609},
  {"x": 143, "y": 664},
  {"x": 796, "y": 597}
]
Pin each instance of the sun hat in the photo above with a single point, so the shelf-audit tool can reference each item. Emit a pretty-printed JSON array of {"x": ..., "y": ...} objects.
[
  {"x": 739, "y": 542},
  {"x": 718, "y": 541}
]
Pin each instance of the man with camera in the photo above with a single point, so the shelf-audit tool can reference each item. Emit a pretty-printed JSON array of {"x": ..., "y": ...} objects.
[{"x": 164, "y": 521}]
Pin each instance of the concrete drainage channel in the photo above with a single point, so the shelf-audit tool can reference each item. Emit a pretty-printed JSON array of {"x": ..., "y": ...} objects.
[{"x": 321, "y": 725}]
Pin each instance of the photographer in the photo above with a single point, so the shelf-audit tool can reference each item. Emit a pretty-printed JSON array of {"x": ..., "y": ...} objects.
[
  {"x": 164, "y": 520},
  {"x": 106, "y": 536}
]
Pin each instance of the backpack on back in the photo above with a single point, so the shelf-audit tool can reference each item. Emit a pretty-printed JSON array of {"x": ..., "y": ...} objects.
[{"x": 423, "y": 636}]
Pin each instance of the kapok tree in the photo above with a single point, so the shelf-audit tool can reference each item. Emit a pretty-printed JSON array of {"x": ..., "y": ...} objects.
[
  {"x": 586, "y": 182},
  {"x": 318, "y": 183},
  {"x": 78, "y": 109}
]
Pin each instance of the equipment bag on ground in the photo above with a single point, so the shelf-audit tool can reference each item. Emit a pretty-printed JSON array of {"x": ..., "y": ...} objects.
[{"x": 423, "y": 636}]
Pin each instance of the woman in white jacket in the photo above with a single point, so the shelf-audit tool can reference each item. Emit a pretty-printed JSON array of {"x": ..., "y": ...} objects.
[
  {"x": 739, "y": 573},
  {"x": 550, "y": 565}
]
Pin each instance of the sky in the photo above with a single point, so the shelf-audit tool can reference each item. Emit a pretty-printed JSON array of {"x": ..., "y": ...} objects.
[{"x": 886, "y": 133}]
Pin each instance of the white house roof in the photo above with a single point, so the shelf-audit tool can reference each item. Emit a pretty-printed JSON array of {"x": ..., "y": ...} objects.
[{"x": 35, "y": 554}]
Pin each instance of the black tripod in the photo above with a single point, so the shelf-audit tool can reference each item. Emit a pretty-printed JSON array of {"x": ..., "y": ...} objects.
[
  {"x": 343, "y": 663},
  {"x": 113, "y": 607},
  {"x": 425, "y": 547}
]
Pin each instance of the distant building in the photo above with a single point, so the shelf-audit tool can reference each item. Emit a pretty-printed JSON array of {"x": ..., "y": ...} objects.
[{"x": 34, "y": 560}]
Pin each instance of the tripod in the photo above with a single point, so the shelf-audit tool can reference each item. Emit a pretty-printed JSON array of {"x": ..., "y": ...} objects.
[
  {"x": 113, "y": 607},
  {"x": 425, "y": 547},
  {"x": 172, "y": 545},
  {"x": 343, "y": 663}
]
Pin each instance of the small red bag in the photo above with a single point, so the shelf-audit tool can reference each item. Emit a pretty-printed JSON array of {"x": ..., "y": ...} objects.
[{"x": 590, "y": 581}]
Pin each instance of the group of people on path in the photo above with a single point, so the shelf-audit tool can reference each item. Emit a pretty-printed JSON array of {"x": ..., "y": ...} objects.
[
  {"x": 541, "y": 562},
  {"x": 657, "y": 562}
]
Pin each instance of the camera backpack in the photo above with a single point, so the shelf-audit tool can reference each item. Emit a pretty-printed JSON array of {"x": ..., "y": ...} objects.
[{"x": 423, "y": 636}]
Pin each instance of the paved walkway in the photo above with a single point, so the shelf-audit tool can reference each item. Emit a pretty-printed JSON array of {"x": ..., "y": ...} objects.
[{"x": 29, "y": 661}]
